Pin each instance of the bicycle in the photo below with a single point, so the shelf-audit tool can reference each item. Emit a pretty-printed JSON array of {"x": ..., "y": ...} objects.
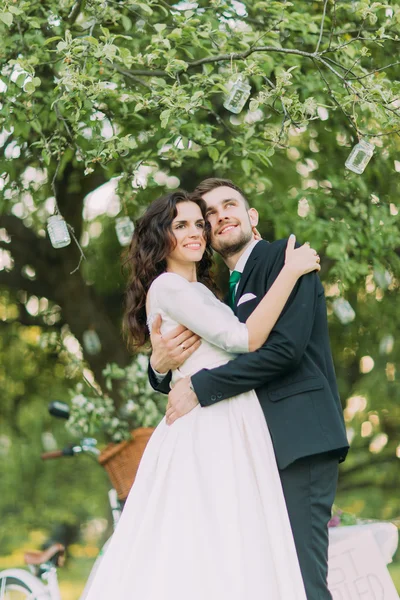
[{"x": 40, "y": 582}]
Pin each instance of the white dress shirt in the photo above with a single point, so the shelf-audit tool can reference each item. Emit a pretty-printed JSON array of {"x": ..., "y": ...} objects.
[{"x": 241, "y": 263}]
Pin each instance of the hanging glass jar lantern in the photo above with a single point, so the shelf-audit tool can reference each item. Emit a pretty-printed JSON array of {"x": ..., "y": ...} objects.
[
  {"x": 58, "y": 231},
  {"x": 343, "y": 310},
  {"x": 360, "y": 156},
  {"x": 91, "y": 342},
  {"x": 382, "y": 278},
  {"x": 237, "y": 96},
  {"x": 124, "y": 228},
  {"x": 386, "y": 344}
]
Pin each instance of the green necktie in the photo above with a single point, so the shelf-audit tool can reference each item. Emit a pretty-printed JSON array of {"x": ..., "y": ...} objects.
[{"x": 233, "y": 281}]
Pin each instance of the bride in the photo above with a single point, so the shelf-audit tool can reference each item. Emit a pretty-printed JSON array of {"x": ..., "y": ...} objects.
[{"x": 206, "y": 517}]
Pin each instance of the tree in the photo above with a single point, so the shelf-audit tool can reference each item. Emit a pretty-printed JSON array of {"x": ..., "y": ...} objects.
[
  {"x": 94, "y": 90},
  {"x": 36, "y": 494}
]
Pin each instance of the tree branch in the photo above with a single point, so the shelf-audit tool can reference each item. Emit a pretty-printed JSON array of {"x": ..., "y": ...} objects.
[
  {"x": 143, "y": 72},
  {"x": 132, "y": 77},
  {"x": 246, "y": 53},
  {"x": 76, "y": 9},
  {"x": 330, "y": 91},
  {"x": 375, "y": 71},
  {"x": 333, "y": 25},
  {"x": 340, "y": 46},
  {"x": 322, "y": 27},
  {"x": 337, "y": 64},
  {"x": 242, "y": 56}
]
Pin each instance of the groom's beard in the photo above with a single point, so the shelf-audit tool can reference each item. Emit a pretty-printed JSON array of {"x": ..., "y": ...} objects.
[{"x": 229, "y": 248}]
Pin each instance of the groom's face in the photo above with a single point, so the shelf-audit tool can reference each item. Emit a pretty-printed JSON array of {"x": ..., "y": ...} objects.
[{"x": 231, "y": 222}]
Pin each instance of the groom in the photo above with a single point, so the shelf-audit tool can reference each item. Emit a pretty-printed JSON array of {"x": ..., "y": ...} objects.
[{"x": 292, "y": 374}]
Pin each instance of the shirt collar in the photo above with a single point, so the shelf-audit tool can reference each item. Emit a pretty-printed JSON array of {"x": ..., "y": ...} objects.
[{"x": 241, "y": 263}]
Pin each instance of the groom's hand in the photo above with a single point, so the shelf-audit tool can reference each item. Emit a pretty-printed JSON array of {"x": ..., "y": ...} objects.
[
  {"x": 169, "y": 351},
  {"x": 181, "y": 400}
]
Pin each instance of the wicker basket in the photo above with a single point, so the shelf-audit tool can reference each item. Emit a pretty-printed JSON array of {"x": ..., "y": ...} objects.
[{"x": 121, "y": 461}]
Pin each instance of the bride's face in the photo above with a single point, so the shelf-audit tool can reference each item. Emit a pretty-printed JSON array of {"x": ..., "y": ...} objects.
[{"x": 188, "y": 229}]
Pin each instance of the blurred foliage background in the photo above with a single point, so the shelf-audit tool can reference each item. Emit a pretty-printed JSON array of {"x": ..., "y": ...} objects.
[{"x": 104, "y": 106}]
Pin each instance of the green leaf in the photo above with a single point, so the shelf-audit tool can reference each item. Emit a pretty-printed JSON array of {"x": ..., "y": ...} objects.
[
  {"x": 247, "y": 166},
  {"x": 29, "y": 87},
  {"x": 159, "y": 27},
  {"x": 165, "y": 114},
  {"x": 263, "y": 157},
  {"x": 188, "y": 53},
  {"x": 92, "y": 40},
  {"x": 335, "y": 250},
  {"x": 36, "y": 126},
  {"x": 20, "y": 80},
  {"x": 145, "y": 8},
  {"x": 126, "y": 23},
  {"x": 52, "y": 39},
  {"x": 253, "y": 105},
  {"x": 126, "y": 56},
  {"x": 14, "y": 10},
  {"x": 46, "y": 157},
  {"x": 110, "y": 51},
  {"x": 213, "y": 153},
  {"x": 197, "y": 95},
  {"x": 249, "y": 133},
  {"x": 7, "y": 18},
  {"x": 62, "y": 46},
  {"x": 175, "y": 33}
]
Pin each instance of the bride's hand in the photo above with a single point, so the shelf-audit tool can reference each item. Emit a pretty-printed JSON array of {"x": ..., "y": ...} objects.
[
  {"x": 256, "y": 234},
  {"x": 301, "y": 260}
]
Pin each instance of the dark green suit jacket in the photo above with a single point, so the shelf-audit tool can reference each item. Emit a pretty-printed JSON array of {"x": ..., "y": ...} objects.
[{"x": 292, "y": 373}]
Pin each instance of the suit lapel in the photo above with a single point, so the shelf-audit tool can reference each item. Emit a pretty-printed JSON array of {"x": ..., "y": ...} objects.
[{"x": 250, "y": 264}]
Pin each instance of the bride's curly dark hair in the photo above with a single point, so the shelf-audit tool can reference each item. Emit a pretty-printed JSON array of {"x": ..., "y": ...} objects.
[{"x": 152, "y": 242}]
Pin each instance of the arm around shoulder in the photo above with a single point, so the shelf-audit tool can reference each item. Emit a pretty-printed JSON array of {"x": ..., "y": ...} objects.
[
  {"x": 200, "y": 311},
  {"x": 281, "y": 353}
]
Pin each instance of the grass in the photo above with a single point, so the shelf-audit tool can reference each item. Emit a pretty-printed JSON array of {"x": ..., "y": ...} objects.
[
  {"x": 72, "y": 579},
  {"x": 394, "y": 570},
  {"x": 73, "y": 576}
]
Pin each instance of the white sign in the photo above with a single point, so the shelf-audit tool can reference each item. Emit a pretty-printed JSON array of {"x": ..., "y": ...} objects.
[{"x": 357, "y": 571}]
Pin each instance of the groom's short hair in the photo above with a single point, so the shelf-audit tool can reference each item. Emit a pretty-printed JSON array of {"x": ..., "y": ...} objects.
[{"x": 207, "y": 185}]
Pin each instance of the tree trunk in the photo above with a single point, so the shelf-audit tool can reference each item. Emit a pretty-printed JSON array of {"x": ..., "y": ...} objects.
[{"x": 82, "y": 308}]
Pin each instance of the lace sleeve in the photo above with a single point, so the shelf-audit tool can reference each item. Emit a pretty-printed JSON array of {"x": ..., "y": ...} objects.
[{"x": 200, "y": 312}]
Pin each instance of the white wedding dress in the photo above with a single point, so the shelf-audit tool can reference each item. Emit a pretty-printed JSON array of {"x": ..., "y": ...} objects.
[{"x": 206, "y": 517}]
